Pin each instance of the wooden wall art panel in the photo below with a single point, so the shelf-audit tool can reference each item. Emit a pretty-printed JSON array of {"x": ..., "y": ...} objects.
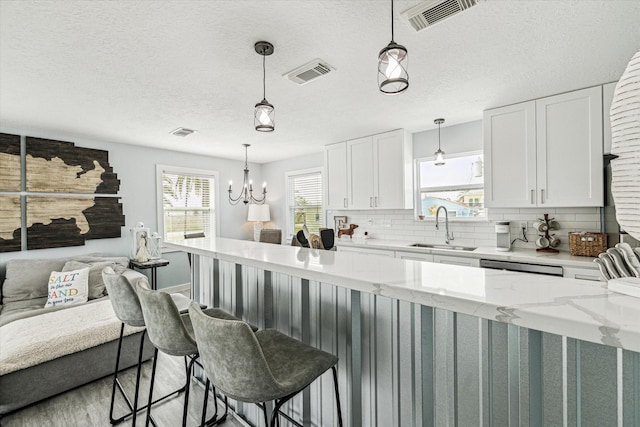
[
  {"x": 61, "y": 167},
  {"x": 9, "y": 162},
  {"x": 10, "y": 223},
  {"x": 59, "y": 221}
]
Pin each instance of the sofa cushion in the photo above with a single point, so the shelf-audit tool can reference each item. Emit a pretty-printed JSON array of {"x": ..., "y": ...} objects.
[
  {"x": 29, "y": 278},
  {"x": 96, "y": 284},
  {"x": 121, "y": 262},
  {"x": 68, "y": 287}
]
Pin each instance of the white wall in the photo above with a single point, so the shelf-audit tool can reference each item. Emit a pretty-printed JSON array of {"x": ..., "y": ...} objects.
[
  {"x": 136, "y": 169},
  {"x": 460, "y": 138},
  {"x": 274, "y": 174}
]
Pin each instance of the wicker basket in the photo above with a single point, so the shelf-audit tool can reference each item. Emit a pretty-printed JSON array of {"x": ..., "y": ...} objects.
[{"x": 587, "y": 244}]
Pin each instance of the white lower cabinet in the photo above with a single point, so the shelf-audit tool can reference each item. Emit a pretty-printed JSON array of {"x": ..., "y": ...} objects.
[
  {"x": 414, "y": 256},
  {"x": 381, "y": 252},
  {"x": 456, "y": 260},
  {"x": 582, "y": 273}
]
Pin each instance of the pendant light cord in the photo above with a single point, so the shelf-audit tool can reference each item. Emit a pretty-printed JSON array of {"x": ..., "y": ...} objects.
[
  {"x": 264, "y": 72},
  {"x": 438, "y": 136},
  {"x": 391, "y": 20}
]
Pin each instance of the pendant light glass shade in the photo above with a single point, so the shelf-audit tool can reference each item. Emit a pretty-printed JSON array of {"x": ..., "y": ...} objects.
[
  {"x": 393, "y": 63},
  {"x": 439, "y": 155},
  {"x": 264, "y": 115},
  {"x": 392, "y": 69}
]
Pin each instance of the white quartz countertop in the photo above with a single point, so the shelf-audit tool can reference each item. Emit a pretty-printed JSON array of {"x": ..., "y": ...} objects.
[
  {"x": 575, "y": 308},
  {"x": 515, "y": 254}
]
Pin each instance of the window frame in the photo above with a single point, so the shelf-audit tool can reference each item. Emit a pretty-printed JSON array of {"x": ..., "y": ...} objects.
[
  {"x": 181, "y": 170},
  {"x": 419, "y": 189},
  {"x": 298, "y": 172}
]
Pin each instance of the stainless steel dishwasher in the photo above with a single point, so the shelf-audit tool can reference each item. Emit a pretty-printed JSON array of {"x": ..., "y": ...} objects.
[{"x": 550, "y": 270}]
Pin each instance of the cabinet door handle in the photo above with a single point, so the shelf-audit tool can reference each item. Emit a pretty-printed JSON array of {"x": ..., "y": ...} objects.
[
  {"x": 585, "y": 277},
  {"x": 375, "y": 202},
  {"x": 345, "y": 202},
  {"x": 533, "y": 197},
  {"x": 542, "y": 196}
]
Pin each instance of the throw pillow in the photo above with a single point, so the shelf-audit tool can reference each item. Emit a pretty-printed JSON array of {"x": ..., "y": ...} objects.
[
  {"x": 68, "y": 287},
  {"x": 96, "y": 284}
]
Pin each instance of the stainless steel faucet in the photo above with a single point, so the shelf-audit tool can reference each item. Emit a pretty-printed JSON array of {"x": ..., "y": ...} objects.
[{"x": 446, "y": 222}]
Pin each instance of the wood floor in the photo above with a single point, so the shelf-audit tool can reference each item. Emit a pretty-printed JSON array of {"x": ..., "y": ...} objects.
[{"x": 89, "y": 405}]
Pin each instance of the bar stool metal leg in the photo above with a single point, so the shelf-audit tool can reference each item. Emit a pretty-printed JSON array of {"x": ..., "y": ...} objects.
[
  {"x": 133, "y": 408},
  {"x": 335, "y": 384}
]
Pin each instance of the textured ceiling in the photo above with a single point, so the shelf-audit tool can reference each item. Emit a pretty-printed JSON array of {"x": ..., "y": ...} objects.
[{"x": 131, "y": 71}]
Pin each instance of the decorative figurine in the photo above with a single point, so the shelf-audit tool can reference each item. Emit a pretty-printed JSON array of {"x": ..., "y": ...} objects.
[
  {"x": 348, "y": 231},
  {"x": 142, "y": 255}
]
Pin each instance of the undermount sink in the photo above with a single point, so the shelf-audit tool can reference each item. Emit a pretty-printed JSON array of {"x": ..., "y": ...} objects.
[{"x": 450, "y": 247}]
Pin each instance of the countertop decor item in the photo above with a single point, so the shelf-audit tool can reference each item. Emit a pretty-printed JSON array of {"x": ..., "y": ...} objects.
[
  {"x": 246, "y": 194},
  {"x": 439, "y": 155},
  {"x": 393, "y": 77},
  {"x": 544, "y": 241},
  {"x": 264, "y": 117},
  {"x": 348, "y": 231},
  {"x": 587, "y": 244},
  {"x": 625, "y": 144},
  {"x": 339, "y": 222}
]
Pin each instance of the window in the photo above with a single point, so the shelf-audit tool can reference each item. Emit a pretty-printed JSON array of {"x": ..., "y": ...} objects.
[
  {"x": 186, "y": 202},
  {"x": 457, "y": 185},
  {"x": 304, "y": 200}
]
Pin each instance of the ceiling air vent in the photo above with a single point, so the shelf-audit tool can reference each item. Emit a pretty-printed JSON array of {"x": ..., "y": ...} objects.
[
  {"x": 431, "y": 12},
  {"x": 309, "y": 71},
  {"x": 182, "y": 132}
]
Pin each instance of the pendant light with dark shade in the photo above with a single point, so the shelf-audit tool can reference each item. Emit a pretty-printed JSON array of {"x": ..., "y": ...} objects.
[
  {"x": 393, "y": 77},
  {"x": 439, "y": 160},
  {"x": 264, "y": 116}
]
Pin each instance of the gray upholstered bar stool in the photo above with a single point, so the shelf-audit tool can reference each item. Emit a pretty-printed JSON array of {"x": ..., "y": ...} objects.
[
  {"x": 258, "y": 367},
  {"x": 126, "y": 306},
  {"x": 172, "y": 333}
]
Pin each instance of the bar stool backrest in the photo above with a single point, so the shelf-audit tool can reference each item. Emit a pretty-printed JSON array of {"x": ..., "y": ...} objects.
[
  {"x": 165, "y": 327},
  {"x": 124, "y": 298},
  {"x": 271, "y": 235},
  {"x": 232, "y": 358}
]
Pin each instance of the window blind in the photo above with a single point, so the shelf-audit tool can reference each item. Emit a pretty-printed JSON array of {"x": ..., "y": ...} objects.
[
  {"x": 188, "y": 205},
  {"x": 304, "y": 199}
]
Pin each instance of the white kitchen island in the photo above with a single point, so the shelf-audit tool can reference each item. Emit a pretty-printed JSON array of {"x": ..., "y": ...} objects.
[{"x": 425, "y": 344}]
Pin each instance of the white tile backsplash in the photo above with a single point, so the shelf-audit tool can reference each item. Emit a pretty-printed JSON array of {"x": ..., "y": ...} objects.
[{"x": 403, "y": 225}]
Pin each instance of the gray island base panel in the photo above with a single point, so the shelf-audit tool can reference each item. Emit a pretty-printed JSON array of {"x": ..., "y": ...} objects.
[{"x": 424, "y": 344}]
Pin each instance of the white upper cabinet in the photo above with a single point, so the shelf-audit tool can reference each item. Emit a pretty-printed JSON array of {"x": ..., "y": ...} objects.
[
  {"x": 360, "y": 173},
  {"x": 335, "y": 160},
  {"x": 607, "y": 99},
  {"x": 378, "y": 172},
  {"x": 569, "y": 137},
  {"x": 509, "y": 155},
  {"x": 392, "y": 164},
  {"x": 545, "y": 153}
]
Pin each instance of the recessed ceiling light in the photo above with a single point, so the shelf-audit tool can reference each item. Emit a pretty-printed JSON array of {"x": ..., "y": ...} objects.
[{"x": 183, "y": 132}]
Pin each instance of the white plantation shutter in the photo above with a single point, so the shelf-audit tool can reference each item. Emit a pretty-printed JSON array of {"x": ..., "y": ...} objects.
[
  {"x": 188, "y": 204},
  {"x": 304, "y": 200}
]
